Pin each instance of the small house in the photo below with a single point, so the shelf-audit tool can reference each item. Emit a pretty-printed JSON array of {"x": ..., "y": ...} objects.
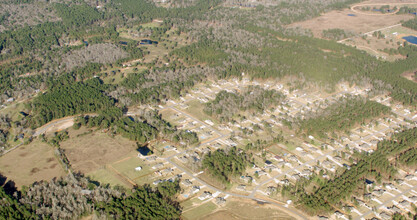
[{"x": 205, "y": 195}]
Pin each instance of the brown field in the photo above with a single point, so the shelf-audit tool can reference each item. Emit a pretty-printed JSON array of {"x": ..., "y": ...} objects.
[
  {"x": 361, "y": 23},
  {"x": 92, "y": 151},
  {"x": 30, "y": 163},
  {"x": 247, "y": 209},
  {"x": 410, "y": 76}
]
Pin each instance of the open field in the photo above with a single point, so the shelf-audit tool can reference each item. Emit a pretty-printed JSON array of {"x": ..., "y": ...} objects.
[
  {"x": 104, "y": 176},
  {"x": 375, "y": 46},
  {"x": 127, "y": 166},
  {"x": 360, "y": 23},
  {"x": 90, "y": 151},
  {"x": 196, "y": 109},
  {"x": 245, "y": 209},
  {"x": 30, "y": 163},
  {"x": 200, "y": 211}
]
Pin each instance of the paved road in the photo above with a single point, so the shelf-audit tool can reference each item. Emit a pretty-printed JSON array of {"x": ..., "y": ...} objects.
[{"x": 386, "y": 202}]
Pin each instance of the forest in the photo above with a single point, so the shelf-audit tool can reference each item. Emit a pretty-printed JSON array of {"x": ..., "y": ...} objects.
[
  {"x": 342, "y": 116},
  {"x": 145, "y": 203},
  {"x": 72, "y": 99},
  {"x": 74, "y": 197},
  {"x": 226, "y": 165},
  {"x": 227, "y": 104}
]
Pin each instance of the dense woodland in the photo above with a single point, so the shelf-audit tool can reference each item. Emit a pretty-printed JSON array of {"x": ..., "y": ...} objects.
[
  {"x": 226, "y": 165},
  {"x": 72, "y": 99},
  {"x": 227, "y": 104},
  {"x": 341, "y": 116},
  {"x": 73, "y": 197}
]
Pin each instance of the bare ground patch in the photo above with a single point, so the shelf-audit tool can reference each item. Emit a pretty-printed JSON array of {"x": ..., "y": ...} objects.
[{"x": 410, "y": 76}]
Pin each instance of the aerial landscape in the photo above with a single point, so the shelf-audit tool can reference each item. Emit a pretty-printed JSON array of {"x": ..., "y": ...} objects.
[{"x": 208, "y": 109}]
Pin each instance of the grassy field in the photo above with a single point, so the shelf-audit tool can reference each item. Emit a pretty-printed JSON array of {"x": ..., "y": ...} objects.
[
  {"x": 127, "y": 168},
  {"x": 195, "y": 108},
  {"x": 104, "y": 176},
  {"x": 200, "y": 211},
  {"x": 30, "y": 163},
  {"x": 92, "y": 151},
  {"x": 360, "y": 23},
  {"x": 245, "y": 209}
]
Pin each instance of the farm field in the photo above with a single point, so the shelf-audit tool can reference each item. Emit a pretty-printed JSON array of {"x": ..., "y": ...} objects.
[{"x": 31, "y": 163}]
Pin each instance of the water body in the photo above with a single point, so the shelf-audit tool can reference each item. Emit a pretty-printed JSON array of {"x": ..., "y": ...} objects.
[{"x": 411, "y": 39}]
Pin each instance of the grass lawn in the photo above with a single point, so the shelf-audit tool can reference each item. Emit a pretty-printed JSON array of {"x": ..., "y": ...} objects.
[
  {"x": 195, "y": 108},
  {"x": 291, "y": 146},
  {"x": 127, "y": 168}
]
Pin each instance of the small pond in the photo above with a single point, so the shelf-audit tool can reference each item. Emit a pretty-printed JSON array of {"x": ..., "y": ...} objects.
[{"x": 411, "y": 39}]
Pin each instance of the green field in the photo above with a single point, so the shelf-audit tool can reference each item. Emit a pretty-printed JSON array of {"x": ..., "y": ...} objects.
[
  {"x": 105, "y": 176},
  {"x": 195, "y": 108},
  {"x": 127, "y": 168},
  {"x": 200, "y": 211}
]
